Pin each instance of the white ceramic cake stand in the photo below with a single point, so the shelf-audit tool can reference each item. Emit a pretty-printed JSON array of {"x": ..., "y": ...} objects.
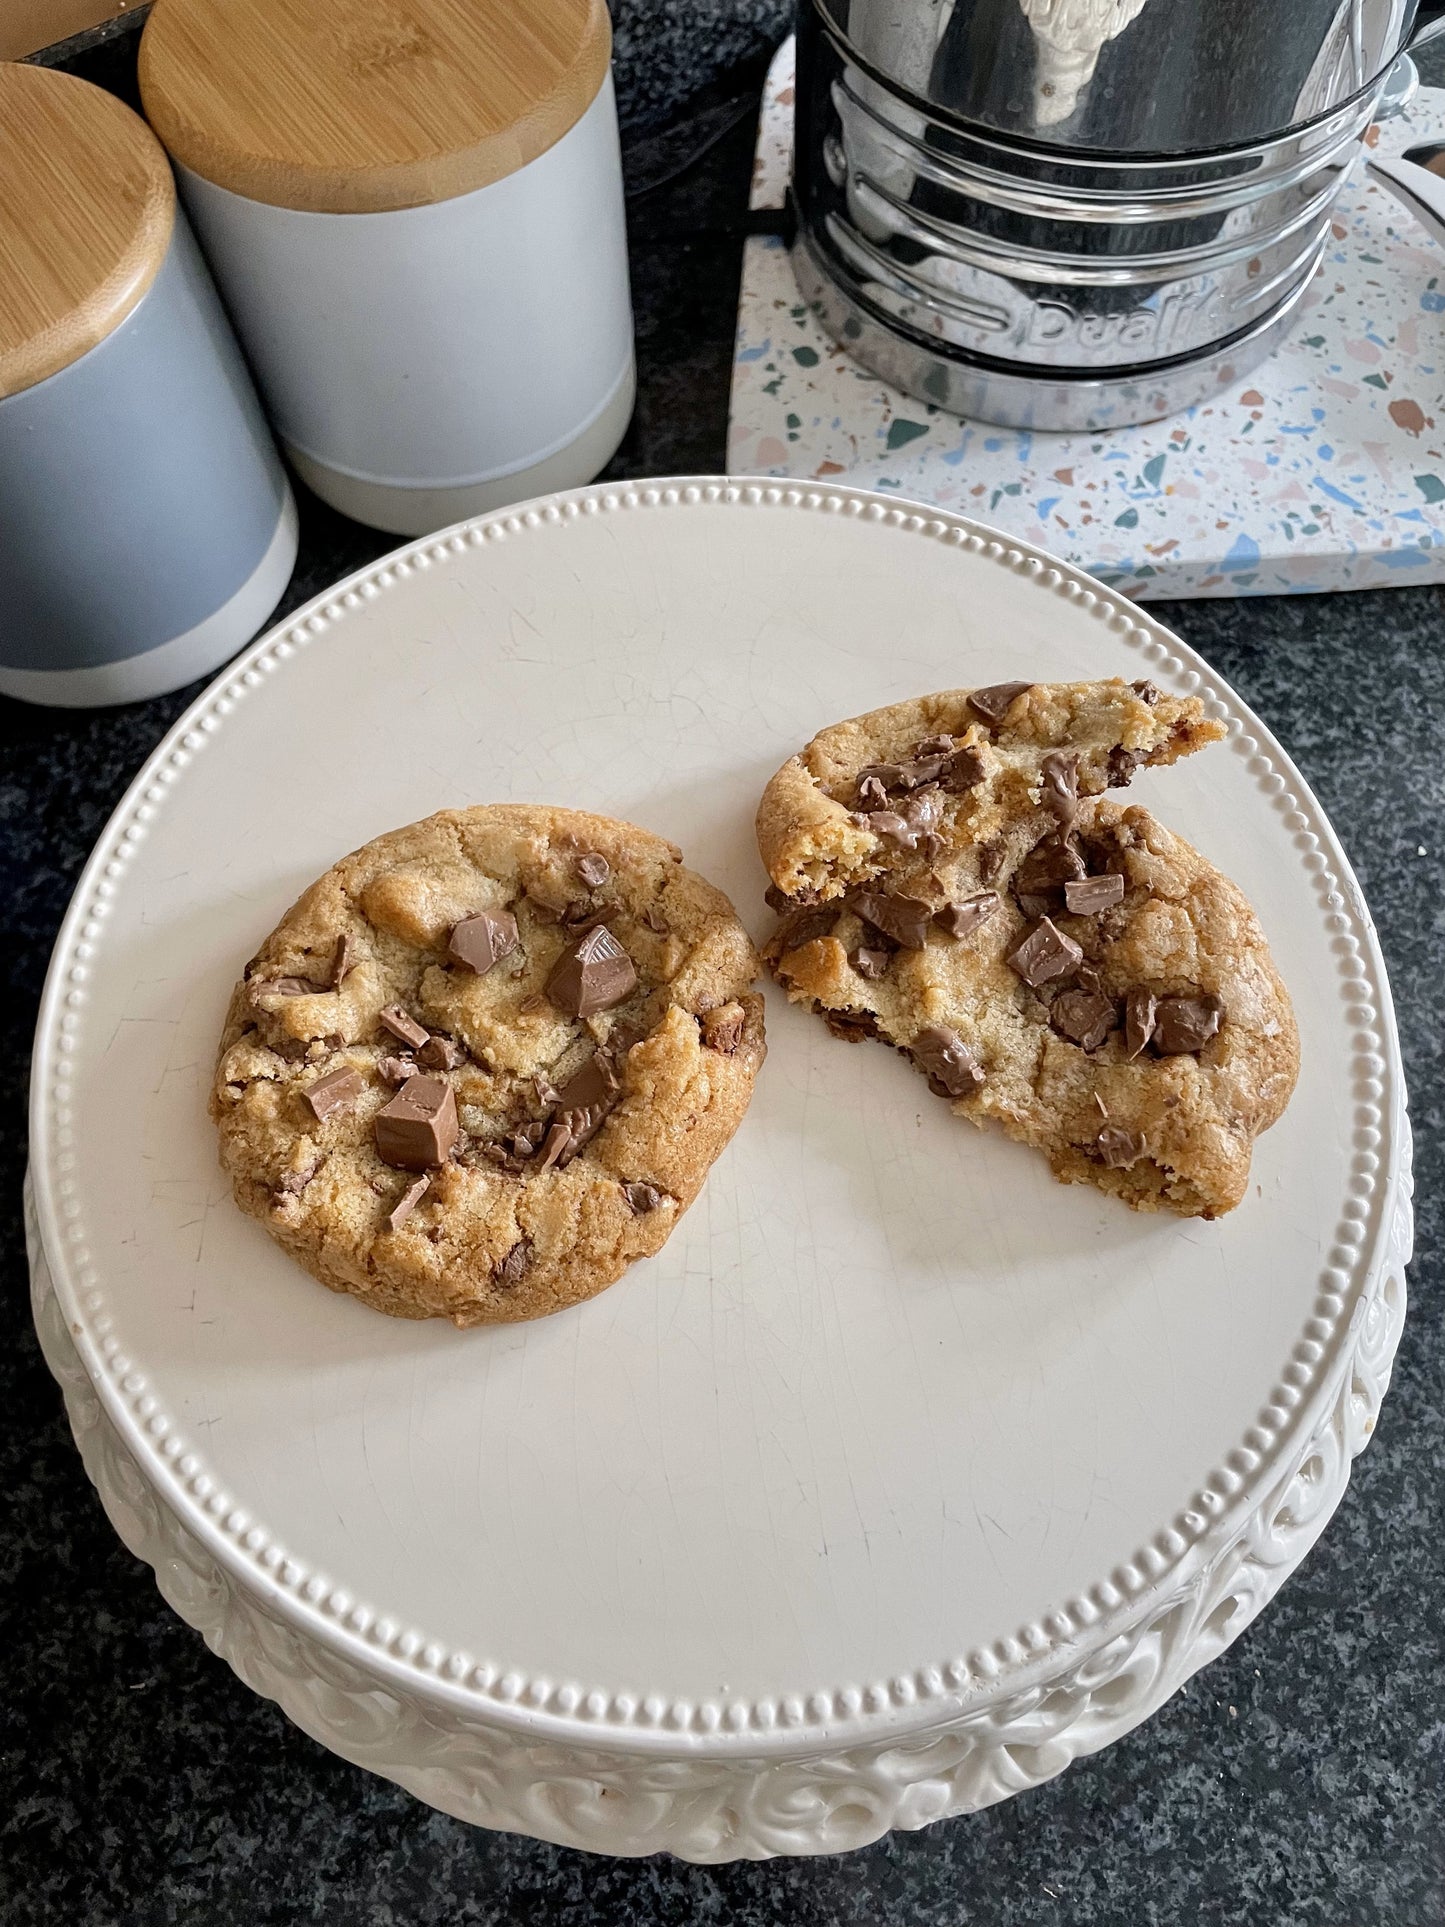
[{"x": 903, "y": 1476}]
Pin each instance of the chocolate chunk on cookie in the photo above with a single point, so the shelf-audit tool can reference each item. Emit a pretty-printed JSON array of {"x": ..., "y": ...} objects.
[
  {"x": 950, "y": 1065},
  {"x": 482, "y": 941},
  {"x": 963, "y": 918},
  {"x": 337, "y": 1091},
  {"x": 592, "y": 974},
  {"x": 418, "y": 1127},
  {"x": 1044, "y": 953},
  {"x": 443, "y": 1092},
  {"x": 1087, "y": 896},
  {"x": 1055, "y": 962},
  {"x": 904, "y": 919}
]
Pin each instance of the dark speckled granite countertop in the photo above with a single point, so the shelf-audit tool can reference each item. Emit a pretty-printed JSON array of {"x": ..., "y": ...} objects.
[{"x": 1300, "y": 1779}]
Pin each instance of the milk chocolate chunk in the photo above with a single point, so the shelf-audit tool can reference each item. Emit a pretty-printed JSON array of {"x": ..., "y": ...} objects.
[
  {"x": 583, "y": 1105},
  {"x": 869, "y": 963},
  {"x": 284, "y": 987},
  {"x": 512, "y": 1155},
  {"x": 514, "y": 1264},
  {"x": 407, "y": 1203},
  {"x": 921, "y": 771},
  {"x": 1139, "y": 1019},
  {"x": 441, "y": 1053},
  {"x": 937, "y": 759},
  {"x": 1045, "y": 953},
  {"x": 994, "y": 702},
  {"x": 1185, "y": 1024},
  {"x": 1087, "y": 896},
  {"x": 962, "y": 770},
  {"x": 592, "y": 974},
  {"x": 1084, "y": 1017},
  {"x": 643, "y": 1197},
  {"x": 592, "y": 1088},
  {"x": 337, "y": 1091},
  {"x": 593, "y": 868},
  {"x": 558, "y": 1144},
  {"x": 625, "y": 1033},
  {"x": 722, "y": 1029},
  {"x": 905, "y": 919},
  {"x": 951, "y": 1066},
  {"x": 992, "y": 855},
  {"x": 1146, "y": 691},
  {"x": 495, "y": 1152},
  {"x": 295, "y": 1181},
  {"x": 772, "y": 897},
  {"x": 343, "y": 959},
  {"x": 1119, "y": 1148},
  {"x": 481, "y": 942},
  {"x": 1038, "y": 882},
  {"x": 963, "y": 918},
  {"x": 417, "y": 1129},
  {"x": 1122, "y": 765},
  {"x": 880, "y": 776},
  {"x": 404, "y": 1028},
  {"x": 583, "y": 1126},
  {"x": 1059, "y": 789},
  {"x": 807, "y": 926},
  {"x": 396, "y": 1070},
  {"x": 919, "y": 816},
  {"x": 853, "y": 1026}
]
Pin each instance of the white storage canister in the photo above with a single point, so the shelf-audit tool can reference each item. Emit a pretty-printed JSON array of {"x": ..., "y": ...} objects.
[
  {"x": 414, "y": 211},
  {"x": 147, "y": 529}
]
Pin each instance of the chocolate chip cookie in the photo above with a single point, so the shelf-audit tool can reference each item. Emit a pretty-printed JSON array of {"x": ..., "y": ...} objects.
[
  {"x": 487, "y": 1061},
  {"x": 954, "y": 881}
]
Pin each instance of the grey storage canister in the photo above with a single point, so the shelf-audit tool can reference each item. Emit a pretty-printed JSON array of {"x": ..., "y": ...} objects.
[{"x": 147, "y": 529}]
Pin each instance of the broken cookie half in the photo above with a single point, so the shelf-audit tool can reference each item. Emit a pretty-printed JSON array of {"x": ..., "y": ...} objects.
[{"x": 954, "y": 881}]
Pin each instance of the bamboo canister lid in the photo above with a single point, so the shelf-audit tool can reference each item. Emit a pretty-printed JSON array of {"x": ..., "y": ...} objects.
[
  {"x": 87, "y": 204},
  {"x": 358, "y": 106}
]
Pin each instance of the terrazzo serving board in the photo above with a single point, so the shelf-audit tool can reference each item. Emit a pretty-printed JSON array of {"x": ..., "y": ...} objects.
[{"x": 1323, "y": 469}]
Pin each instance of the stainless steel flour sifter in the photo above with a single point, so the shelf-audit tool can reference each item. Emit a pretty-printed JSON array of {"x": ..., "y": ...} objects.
[{"x": 1074, "y": 214}]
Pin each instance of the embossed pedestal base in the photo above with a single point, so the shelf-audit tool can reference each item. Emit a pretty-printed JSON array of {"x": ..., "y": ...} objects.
[{"x": 604, "y": 1800}]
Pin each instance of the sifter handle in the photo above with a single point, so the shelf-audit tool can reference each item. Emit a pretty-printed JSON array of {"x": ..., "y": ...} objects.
[{"x": 1421, "y": 189}]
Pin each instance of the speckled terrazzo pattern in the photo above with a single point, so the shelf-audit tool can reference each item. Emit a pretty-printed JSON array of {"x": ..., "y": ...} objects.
[
  {"x": 1323, "y": 469},
  {"x": 1296, "y": 1783}
]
